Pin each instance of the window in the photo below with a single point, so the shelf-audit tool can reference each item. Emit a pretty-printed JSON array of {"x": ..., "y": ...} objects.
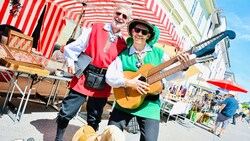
[
  {"x": 193, "y": 8},
  {"x": 200, "y": 19}
]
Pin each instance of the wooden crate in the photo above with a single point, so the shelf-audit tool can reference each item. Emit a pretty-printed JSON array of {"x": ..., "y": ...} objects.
[
  {"x": 20, "y": 41},
  {"x": 19, "y": 55}
]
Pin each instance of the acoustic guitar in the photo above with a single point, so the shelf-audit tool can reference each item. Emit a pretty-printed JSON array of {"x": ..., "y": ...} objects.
[{"x": 202, "y": 52}]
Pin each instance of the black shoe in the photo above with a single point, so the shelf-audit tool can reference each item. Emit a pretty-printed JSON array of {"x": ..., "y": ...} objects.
[
  {"x": 219, "y": 135},
  {"x": 211, "y": 131}
]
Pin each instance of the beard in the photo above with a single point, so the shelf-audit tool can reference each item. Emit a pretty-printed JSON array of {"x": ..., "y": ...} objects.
[{"x": 117, "y": 25}]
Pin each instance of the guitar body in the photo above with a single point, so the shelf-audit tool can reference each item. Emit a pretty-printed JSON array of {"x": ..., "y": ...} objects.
[{"x": 132, "y": 99}]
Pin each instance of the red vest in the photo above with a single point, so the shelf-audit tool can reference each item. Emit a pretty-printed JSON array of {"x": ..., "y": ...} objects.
[{"x": 98, "y": 38}]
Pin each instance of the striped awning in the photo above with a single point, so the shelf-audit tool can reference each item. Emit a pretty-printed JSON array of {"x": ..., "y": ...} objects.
[
  {"x": 95, "y": 11},
  {"x": 28, "y": 18},
  {"x": 102, "y": 10}
]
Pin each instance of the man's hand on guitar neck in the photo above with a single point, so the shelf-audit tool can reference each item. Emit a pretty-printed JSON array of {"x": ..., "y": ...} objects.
[
  {"x": 184, "y": 57},
  {"x": 137, "y": 84}
]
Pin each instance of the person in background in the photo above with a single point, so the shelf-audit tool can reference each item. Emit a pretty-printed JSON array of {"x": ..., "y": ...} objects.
[
  {"x": 141, "y": 51},
  {"x": 58, "y": 55},
  {"x": 226, "y": 111},
  {"x": 248, "y": 117},
  {"x": 4, "y": 32},
  {"x": 102, "y": 42},
  {"x": 237, "y": 114}
]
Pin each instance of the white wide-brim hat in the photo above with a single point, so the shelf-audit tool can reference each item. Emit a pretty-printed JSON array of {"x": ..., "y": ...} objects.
[{"x": 232, "y": 93}]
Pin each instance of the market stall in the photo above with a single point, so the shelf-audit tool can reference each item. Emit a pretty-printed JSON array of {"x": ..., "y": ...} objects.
[{"x": 47, "y": 18}]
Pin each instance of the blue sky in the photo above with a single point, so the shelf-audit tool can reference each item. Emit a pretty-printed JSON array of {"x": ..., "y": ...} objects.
[{"x": 238, "y": 19}]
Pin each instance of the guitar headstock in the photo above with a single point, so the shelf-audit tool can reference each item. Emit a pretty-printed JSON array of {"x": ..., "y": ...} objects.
[{"x": 208, "y": 46}]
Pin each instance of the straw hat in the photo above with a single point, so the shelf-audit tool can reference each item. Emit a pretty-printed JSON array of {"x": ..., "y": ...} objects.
[
  {"x": 83, "y": 133},
  {"x": 110, "y": 133}
]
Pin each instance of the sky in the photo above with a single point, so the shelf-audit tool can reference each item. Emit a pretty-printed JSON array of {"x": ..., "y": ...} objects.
[{"x": 238, "y": 19}]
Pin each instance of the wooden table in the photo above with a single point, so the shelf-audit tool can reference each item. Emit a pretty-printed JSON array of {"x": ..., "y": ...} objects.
[{"x": 33, "y": 77}]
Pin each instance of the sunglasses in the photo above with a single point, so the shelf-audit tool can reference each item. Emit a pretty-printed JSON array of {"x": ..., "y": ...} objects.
[
  {"x": 138, "y": 30},
  {"x": 123, "y": 15}
]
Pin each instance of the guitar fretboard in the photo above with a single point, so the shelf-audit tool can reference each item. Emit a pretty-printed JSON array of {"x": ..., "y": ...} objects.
[{"x": 175, "y": 68}]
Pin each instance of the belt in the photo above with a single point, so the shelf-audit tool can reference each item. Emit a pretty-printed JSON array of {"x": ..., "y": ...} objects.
[{"x": 95, "y": 69}]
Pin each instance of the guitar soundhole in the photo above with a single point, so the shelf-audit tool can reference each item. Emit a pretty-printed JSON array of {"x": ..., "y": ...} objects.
[{"x": 142, "y": 78}]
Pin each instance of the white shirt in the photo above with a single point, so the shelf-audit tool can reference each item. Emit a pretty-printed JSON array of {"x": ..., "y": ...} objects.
[
  {"x": 73, "y": 50},
  {"x": 115, "y": 77}
]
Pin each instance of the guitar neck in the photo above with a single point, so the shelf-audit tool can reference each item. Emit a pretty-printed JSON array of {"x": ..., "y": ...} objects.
[
  {"x": 172, "y": 69},
  {"x": 202, "y": 49},
  {"x": 158, "y": 68}
]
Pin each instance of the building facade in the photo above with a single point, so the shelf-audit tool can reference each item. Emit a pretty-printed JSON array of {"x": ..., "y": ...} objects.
[{"x": 196, "y": 21}]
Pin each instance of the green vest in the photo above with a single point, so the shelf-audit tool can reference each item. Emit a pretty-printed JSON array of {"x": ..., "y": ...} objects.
[{"x": 148, "y": 109}]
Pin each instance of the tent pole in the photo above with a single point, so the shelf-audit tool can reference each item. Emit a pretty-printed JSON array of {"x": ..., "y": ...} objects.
[{"x": 78, "y": 22}]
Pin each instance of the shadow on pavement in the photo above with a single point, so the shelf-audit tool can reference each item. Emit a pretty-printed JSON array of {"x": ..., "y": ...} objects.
[{"x": 47, "y": 127}]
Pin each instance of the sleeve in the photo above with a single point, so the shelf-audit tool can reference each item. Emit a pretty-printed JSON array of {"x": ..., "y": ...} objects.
[
  {"x": 225, "y": 101},
  {"x": 114, "y": 75},
  {"x": 178, "y": 75},
  {"x": 73, "y": 50}
]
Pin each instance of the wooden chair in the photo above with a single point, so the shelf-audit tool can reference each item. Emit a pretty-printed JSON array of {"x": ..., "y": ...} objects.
[{"x": 20, "y": 41}]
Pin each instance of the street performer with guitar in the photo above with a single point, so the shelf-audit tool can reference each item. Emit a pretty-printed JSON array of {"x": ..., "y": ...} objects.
[{"x": 127, "y": 76}]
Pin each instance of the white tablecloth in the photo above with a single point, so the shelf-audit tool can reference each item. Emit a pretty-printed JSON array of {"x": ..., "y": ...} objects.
[{"x": 178, "y": 107}]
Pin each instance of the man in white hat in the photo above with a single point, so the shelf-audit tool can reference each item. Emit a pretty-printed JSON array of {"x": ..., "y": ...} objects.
[
  {"x": 102, "y": 42},
  {"x": 226, "y": 112}
]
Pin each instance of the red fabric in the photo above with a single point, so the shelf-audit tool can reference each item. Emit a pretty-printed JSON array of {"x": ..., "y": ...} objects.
[
  {"x": 227, "y": 85},
  {"x": 101, "y": 59},
  {"x": 27, "y": 18},
  {"x": 53, "y": 23},
  {"x": 6, "y": 75},
  {"x": 144, "y": 9},
  {"x": 58, "y": 10}
]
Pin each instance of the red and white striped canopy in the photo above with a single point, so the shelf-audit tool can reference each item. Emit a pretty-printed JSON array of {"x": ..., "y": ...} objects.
[
  {"x": 102, "y": 10},
  {"x": 27, "y": 20},
  {"x": 95, "y": 11}
]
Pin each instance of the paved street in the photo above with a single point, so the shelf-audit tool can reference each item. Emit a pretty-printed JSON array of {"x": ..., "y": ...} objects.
[
  {"x": 39, "y": 123},
  {"x": 174, "y": 131}
]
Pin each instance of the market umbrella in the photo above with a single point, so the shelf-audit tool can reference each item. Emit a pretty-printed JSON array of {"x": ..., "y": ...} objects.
[{"x": 227, "y": 85}]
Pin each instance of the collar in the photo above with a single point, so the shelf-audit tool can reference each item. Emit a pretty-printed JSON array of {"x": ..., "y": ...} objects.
[
  {"x": 108, "y": 28},
  {"x": 147, "y": 48}
]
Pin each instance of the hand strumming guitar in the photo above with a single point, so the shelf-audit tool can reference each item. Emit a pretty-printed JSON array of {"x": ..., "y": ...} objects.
[{"x": 137, "y": 84}]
